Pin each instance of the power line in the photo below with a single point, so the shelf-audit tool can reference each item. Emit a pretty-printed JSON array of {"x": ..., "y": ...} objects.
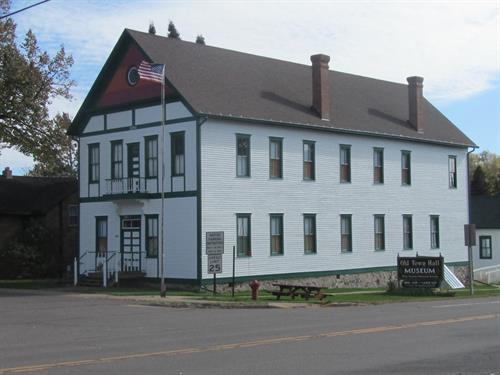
[{"x": 21, "y": 10}]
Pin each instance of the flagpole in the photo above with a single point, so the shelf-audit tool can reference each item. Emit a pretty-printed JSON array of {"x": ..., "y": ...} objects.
[{"x": 163, "y": 290}]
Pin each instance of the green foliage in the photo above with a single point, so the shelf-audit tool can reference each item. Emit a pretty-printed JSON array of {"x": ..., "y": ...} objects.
[
  {"x": 152, "y": 28},
  {"x": 30, "y": 254},
  {"x": 200, "y": 39},
  {"x": 172, "y": 31},
  {"x": 61, "y": 159},
  {"x": 485, "y": 171},
  {"x": 29, "y": 80}
]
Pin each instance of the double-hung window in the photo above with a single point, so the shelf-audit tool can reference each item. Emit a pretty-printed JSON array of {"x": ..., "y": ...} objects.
[
  {"x": 379, "y": 228},
  {"x": 243, "y": 243},
  {"x": 309, "y": 172},
  {"x": 94, "y": 163},
  {"x": 275, "y": 158},
  {"x": 310, "y": 234},
  {"x": 485, "y": 247},
  {"x": 151, "y": 156},
  {"x": 345, "y": 163},
  {"x": 346, "y": 233},
  {"x": 152, "y": 240},
  {"x": 407, "y": 232},
  {"x": 101, "y": 228},
  {"x": 452, "y": 172},
  {"x": 177, "y": 153},
  {"x": 276, "y": 221},
  {"x": 242, "y": 155},
  {"x": 405, "y": 168},
  {"x": 434, "y": 232},
  {"x": 378, "y": 165},
  {"x": 117, "y": 160}
]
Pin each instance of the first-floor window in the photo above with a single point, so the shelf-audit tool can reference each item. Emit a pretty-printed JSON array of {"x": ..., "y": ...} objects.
[
  {"x": 379, "y": 232},
  {"x": 276, "y": 234},
  {"x": 101, "y": 236},
  {"x": 243, "y": 244},
  {"x": 310, "y": 234},
  {"x": 434, "y": 232},
  {"x": 345, "y": 233},
  {"x": 152, "y": 236},
  {"x": 407, "y": 232},
  {"x": 485, "y": 247}
]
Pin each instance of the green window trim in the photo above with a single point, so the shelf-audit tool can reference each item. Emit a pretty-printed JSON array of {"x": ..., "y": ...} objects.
[
  {"x": 407, "y": 232},
  {"x": 275, "y": 158},
  {"x": 434, "y": 231},
  {"x": 101, "y": 235},
  {"x": 310, "y": 238},
  {"x": 485, "y": 247},
  {"x": 452, "y": 171},
  {"x": 117, "y": 159},
  {"x": 276, "y": 234},
  {"x": 345, "y": 163},
  {"x": 93, "y": 163},
  {"x": 243, "y": 155},
  {"x": 152, "y": 236},
  {"x": 151, "y": 156},
  {"x": 309, "y": 160},
  {"x": 346, "y": 233},
  {"x": 379, "y": 232},
  {"x": 405, "y": 168},
  {"x": 378, "y": 165},
  {"x": 243, "y": 235},
  {"x": 178, "y": 153}
]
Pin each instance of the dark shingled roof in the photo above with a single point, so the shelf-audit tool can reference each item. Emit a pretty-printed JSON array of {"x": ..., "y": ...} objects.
[
  {"x": 227, "y": 84},
  {"x": 485, "y": 211},
  {"x": 33, "y": 195}
]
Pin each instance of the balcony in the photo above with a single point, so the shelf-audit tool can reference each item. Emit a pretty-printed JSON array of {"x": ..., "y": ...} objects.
[{"x": 126, "y": 186}]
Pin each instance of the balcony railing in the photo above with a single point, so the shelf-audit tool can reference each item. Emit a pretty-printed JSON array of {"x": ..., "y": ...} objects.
[{"x": 129, "y": 185}]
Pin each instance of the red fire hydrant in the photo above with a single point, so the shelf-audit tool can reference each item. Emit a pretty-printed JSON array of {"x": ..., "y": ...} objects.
[{"x": 255, "y": 289}]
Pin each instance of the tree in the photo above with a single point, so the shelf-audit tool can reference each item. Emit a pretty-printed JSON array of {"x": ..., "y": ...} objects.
[
  {"x": 200, "y": 39},
  {"x": 29, "y": 80},
  {"x": 487, "y": 180},
  {"x": 478, "y": 183},
  {"x": 172, "y": 31},
  {"x": 152, "y": 28},
  {"x": 61, "y": 159}
]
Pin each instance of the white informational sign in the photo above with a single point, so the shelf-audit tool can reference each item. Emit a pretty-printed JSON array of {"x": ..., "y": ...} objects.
[
  {"x": 214, "y": 264},
  {"x": 215, "y": 243}
]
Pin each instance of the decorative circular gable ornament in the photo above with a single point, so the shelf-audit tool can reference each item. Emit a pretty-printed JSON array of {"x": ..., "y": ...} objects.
[{"x": 132, "y": 76}]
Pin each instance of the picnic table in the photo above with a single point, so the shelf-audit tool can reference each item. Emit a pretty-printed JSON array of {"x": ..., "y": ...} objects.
[{"x": 293, "y": 290}]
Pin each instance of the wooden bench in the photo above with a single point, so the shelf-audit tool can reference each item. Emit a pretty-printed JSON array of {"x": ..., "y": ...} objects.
[{"x": 304, "y": 291}]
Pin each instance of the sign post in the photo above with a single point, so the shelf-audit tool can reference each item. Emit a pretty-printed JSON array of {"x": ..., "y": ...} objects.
[
  {"x": 470, "y": 240},
  {"x": 214, "y": 248}
]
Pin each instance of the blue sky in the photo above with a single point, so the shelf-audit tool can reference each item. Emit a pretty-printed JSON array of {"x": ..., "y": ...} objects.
[{"x": 454, "y": 45}]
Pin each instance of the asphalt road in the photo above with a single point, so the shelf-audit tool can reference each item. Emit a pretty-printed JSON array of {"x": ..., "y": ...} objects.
[{"x": 66, "y": 334}]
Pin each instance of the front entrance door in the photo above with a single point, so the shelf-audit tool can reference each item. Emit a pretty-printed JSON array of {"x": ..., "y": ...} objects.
[
  {"x": 133, "y": 167},
  {"x": 131, "y": 243}
]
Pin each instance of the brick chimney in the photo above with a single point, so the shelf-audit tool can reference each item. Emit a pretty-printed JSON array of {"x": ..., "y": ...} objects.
[
  {"x": 7, "y": 173},
  {"x": 321, "y": 86},
  {"x": 416, "y": 103}
]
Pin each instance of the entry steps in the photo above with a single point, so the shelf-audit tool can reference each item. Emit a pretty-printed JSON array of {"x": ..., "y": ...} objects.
[{"x": 94, "y": 279}]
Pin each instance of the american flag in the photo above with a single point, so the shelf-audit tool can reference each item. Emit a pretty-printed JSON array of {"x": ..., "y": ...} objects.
[{"x": 151, "y": 72}]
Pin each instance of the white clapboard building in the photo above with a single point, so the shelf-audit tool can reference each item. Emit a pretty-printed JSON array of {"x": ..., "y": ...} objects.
[{"x": 309, "y": 172}]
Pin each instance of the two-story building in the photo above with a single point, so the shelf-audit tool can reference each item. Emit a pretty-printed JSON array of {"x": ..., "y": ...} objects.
[{"x": 309, "y": 172}]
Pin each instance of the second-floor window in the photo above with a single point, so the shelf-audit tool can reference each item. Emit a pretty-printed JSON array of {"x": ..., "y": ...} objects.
[
  {"x": 116, "y": 159},
  {"x": 345, "y": 163},
  {"x": 379, "y": 232},
  {"x": 309, "y": 160},
  {"x": 94, "y": 163},
  {"x": 275, "y": 157},
  {"x": 242, "y": 155},
  {"x": 151, "y": 156},
  {"x": 452, "y": 172},
  {"x": 405, "y": 168},
  {"x": 276, "y": 234},
  {"x": 346, "y": 233},
  {"x": 378, "y": 166},
  {"x": 177, "y": 153}
]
